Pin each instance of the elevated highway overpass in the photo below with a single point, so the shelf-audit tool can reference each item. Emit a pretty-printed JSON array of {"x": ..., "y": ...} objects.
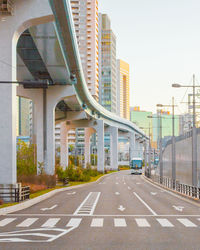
[{"x": 39, "y": 44}]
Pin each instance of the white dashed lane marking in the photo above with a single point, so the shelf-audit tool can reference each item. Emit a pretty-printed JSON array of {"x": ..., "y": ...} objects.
[
  {"x": 187, "y": 223},
  {"x": 165, "y": 223},
  {"x": 142, "y": 223},
  {"x": 27, "y": 222},
  {"x": 74, "y": 222},
  {"x": 6, "y": 221},
  {"x": 120, "y": 223},
  {"x": 51, "y": 222},
  {"x": 97, "y": 222}
]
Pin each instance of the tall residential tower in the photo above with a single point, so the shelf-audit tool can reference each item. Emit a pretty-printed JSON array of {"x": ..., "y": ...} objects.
[
  {"x": 85, "y": 15},
  {"x": 123, "y": 88},
  {"x": 107, "y": 64}
]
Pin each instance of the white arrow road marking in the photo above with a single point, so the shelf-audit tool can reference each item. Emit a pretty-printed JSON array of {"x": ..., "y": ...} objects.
[
  {"x": 71, "y": 193},
  {"x": 50, "y": 208},
  {"x": 152, "y": 193},
  {"x": 117, "y": 183},
  {"x": 129, "y": 188},
  {"x": 178, "y": 208},
  {"x": 138, "y": 183},
  {"x": 121, "y": 208},
  {"x": 117, "y": 193}
]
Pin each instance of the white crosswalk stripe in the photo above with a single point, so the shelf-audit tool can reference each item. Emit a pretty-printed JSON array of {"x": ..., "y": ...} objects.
[
  {"x": 165, "y": 223},
  {"x": 6, "y": 221},
  {"x": 142, "y": 223},
  {"x": 120, "y": 223},
  {"x": 51, "y": 222},
  {"x": 97, "y": 222},
  {"x": 27, "y": 222},
  {"x": 74, "y": 222},
  {"x": 187, "y": 223}
]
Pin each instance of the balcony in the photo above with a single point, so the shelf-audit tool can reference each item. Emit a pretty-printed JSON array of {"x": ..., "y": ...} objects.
[{"x": 6, "y": 7}]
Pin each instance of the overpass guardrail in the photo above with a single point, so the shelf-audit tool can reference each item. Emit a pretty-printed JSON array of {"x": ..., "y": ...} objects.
[{"x": 187, "y": 190}]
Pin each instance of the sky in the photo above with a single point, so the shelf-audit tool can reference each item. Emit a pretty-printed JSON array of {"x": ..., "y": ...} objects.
[{"x": 160, "y": 39}]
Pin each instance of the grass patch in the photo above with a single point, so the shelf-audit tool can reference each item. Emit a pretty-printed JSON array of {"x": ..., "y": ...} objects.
[{"x": 71, "y": 183}]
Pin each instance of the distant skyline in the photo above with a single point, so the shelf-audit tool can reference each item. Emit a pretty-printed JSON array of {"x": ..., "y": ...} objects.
[{"x": 161, "y": 42}]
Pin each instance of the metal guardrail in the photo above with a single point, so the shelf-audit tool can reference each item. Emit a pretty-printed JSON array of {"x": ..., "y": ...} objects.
[
  {"x": 15, "y": 194},
  {"x": 181, "y": 188}
]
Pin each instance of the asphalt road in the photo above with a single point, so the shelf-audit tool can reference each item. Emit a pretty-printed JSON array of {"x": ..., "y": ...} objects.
[{"x": 122, "y": 211}]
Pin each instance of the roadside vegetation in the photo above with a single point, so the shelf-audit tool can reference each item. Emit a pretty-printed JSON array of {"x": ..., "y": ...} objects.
[
  {"x": 123, "y": 167},
  {"x": 41, "y": 183}
]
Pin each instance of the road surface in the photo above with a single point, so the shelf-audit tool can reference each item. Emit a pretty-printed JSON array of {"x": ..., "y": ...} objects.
[{"x": 122, "y": 211}]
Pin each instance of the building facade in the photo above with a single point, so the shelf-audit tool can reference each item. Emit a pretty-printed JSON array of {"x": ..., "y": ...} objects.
[
  {"x": 166, "y": 126},
  {"x": 85, "y": 15},
  {"x": 141, "y": 119},
  {"x": 107, "y": 65},
  {"x": 24, "y": 117},
  {"x": 123, "y": 89}
]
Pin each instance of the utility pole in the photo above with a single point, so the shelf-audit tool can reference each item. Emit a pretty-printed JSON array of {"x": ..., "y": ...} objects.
[
  {"x": 173, "y": 147},
  {"x": 149, "y": 159},
  {"x": 194, "y": 139},
  {"x": 194, "y": 132},
  {"x": 160, "y": 148}
]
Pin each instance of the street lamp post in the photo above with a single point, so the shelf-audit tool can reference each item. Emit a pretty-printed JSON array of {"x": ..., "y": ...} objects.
[
  {"x": 173, "y": 141},
  {"x": 160, "y": 145},
  {"x": 160, "y": 149},
  {"x": 149, "y": 159},
  {"x": 194, "y": 132}
]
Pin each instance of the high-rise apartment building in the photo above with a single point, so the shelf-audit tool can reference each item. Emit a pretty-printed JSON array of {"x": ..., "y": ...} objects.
[
  {"x": 85, "y": 15},
  {"x": 107, "y": 65},
  {"x": 24, "y": 113},
  {"x": 123, "y": 88}
]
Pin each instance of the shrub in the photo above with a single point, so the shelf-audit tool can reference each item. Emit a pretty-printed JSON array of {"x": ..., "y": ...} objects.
[
  {"x": 93, "y": 159},
  {"x": 26, "y": 163},
  {"x": 77, "y": 173},
  {"x": 123, "y": 167},
  {"x": 1, "y": 202},
  {"x": 47, "y": 181}
]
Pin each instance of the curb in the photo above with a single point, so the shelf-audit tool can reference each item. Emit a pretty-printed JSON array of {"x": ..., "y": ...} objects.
[
  {"x": 175, "y": 193},
  {"x": 29, "y": 203}
]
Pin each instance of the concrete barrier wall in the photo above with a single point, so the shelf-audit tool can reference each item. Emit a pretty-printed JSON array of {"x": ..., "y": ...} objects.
[{"x": 183, "y": 159}]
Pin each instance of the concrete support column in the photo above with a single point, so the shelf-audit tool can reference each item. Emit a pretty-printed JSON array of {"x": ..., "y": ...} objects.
[
  {"x": 38, "y": 122},
  {"x": 64, "y": 151},
  {"x": 132, "y": 145},
  {"x": 8, "y": 107},
  {"x": 49, "y": 129},
  {"x": 88, "y": 133},
  {"x": 114, "y": 148},
  {"x": 100, "y": 145}
]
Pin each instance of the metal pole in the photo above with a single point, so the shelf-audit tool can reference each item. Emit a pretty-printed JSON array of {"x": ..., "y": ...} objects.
[
  {"x": 161, "y": 160},
  {"x": 145, "y": 157},
  {"x": 194, "y": 140},
  {"x": 45, "y": 128},
  {"x": 149, "y": 174},
  {"x": 173, "y": 146}
]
